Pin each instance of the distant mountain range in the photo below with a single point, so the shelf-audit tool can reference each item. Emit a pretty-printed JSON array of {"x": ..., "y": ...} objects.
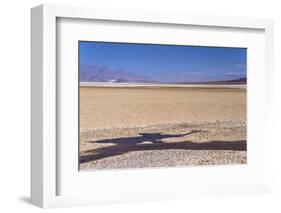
[
  {"x": 95, "y": 73},
  {"x": 239, "y": 81},
  {"x": 236, "y": 81}
]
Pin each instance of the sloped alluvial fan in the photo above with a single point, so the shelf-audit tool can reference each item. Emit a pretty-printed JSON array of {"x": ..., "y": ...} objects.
[{"x": 96, "y": 73}]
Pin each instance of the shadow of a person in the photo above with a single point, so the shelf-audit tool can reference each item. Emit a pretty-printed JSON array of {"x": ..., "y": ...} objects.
[{"x": 151, "y": 137}]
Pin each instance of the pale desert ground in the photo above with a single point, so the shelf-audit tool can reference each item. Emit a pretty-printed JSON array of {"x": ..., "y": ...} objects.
[{"x": 140, "y": 127}]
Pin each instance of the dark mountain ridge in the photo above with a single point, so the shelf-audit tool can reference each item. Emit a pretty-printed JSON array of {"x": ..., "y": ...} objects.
[{"x": 239, "y": 81}]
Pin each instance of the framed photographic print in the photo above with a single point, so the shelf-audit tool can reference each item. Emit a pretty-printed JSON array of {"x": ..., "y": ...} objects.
[{"x": 130, "y": 106}]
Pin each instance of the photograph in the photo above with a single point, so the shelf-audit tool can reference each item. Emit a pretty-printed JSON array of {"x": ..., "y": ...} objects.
[{"x": 147, "y": 105}]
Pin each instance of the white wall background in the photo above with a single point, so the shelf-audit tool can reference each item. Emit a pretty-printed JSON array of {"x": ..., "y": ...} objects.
[{"x": 15, "y": 98}]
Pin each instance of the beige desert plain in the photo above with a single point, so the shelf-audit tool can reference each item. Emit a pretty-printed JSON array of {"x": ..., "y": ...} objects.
[{"x": 161, "y": 126}]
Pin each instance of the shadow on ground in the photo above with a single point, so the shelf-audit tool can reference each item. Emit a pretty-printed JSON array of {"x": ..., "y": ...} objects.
[
  {"x": 152, "y": 141},
  {"x": 25, "y": 199}
]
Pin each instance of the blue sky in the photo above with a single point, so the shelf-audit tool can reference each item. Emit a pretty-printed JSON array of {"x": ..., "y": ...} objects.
[{"x": 167, "y": 63}]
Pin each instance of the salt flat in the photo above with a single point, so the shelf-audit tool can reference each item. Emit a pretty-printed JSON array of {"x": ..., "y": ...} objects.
[
  {"x": 159, "y": 85},
  {"x": 157, "y": 126}
]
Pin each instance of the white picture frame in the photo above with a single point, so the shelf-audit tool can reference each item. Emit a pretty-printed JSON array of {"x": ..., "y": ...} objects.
[{"x": 44, "y": 153}]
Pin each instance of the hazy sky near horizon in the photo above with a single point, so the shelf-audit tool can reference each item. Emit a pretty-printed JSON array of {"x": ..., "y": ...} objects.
[{"x": 167, "y": 63}]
